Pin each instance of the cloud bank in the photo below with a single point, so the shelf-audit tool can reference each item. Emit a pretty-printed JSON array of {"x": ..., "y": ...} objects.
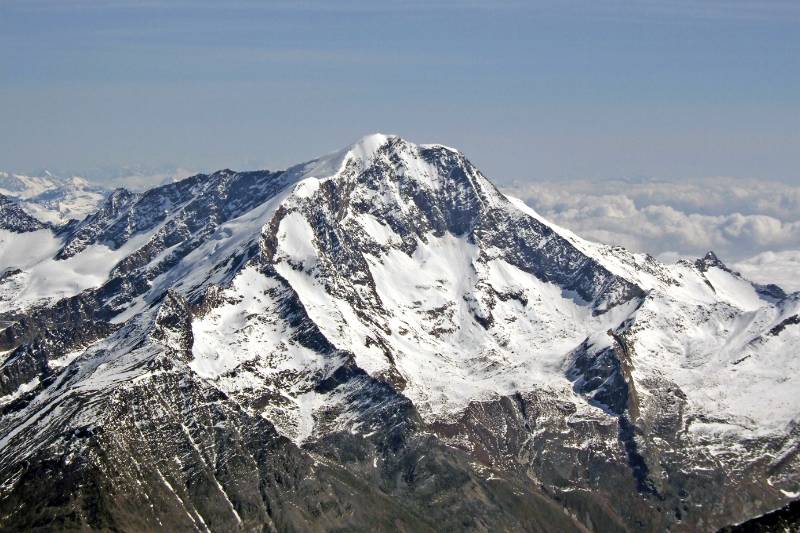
[{"x": 754, "y": 225}]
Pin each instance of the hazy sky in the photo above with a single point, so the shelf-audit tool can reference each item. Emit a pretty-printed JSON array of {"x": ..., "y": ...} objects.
[{"x": 529, "y": 90}]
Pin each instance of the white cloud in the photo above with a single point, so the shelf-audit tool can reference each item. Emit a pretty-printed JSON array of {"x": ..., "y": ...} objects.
[
  {"x": 753, "y": 224},
  {"x": 773, "y": 267}
]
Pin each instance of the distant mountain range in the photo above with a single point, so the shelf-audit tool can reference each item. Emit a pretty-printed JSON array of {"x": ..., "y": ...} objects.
[
  {"x": 52, "y": 199},
  {"x": 376, "y": 340}
]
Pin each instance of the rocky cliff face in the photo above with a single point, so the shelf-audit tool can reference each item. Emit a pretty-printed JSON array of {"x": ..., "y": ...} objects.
[{"x": 380, "y": 340}]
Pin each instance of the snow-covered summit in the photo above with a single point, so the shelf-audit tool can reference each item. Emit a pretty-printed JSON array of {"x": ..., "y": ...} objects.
[
  {"x": 368, "y": 309},
  {"x": 359, "y": 154}
]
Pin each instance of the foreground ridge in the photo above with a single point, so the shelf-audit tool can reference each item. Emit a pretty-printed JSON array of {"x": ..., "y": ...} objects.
[{"x": 379, "y": 339}]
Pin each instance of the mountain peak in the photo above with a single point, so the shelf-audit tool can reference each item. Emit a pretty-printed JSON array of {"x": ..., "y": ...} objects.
[
  {"x": 366, "y": 148},
  {"x": 378, "y": 307},
  {"x": 362, "y": 151},
  {"x": 710, "y": 260},
  {"x": 369, "y": 144}
]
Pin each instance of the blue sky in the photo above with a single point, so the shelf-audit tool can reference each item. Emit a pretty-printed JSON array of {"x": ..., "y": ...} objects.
[{"x": 528, "y": 90}]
